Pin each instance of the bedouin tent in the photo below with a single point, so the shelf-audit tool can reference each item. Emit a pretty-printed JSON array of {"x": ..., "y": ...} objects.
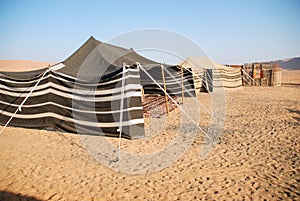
[
  {"x": 212, "y": 74},
  {"x": 96, "y": 91}
]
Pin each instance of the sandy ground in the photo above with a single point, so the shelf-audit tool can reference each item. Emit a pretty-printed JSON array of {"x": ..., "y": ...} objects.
[
  {"x": 22, "y": 65},
  {"x": 258, "y": 158}
]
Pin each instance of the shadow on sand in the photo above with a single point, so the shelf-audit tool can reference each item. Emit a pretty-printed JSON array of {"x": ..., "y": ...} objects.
[
  {"x": 290, "y": 85},
  {"x": 295, "y": 112},
  {"x": 10, "y": 196}
]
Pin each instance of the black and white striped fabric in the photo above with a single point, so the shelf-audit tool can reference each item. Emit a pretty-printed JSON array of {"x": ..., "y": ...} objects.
[
  {"x": 222, "y": 76},
  {"x": 173, "y": 80},
  {"x": 227, "y": 77},
  {"x": 61, "y": 102},
  {"x": 83, "y": 94}
]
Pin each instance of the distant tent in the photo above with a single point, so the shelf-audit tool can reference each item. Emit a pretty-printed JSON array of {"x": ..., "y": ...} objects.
[
  {"x": 211, "y": 74},
  {"x": 72, "y": 97}
]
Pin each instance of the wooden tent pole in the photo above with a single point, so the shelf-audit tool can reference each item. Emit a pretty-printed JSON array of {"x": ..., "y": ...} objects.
[
  {"x": 143, "y": 94},
  {"x": 182, "y": 88},
  {"x": 165, "y": 88}
]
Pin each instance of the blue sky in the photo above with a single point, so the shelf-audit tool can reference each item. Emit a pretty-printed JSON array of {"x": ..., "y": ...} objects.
[{"x": 233, "y": 31}]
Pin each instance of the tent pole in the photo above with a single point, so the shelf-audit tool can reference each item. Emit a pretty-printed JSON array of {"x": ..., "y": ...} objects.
[
  {"x": 182, "y": 88},
  {"x": 143, "y": 94},
  {"x": 120, "y": 130},
  {"x": 175, "y": 102},
  {"x": 165, "y": 88},
  {"x": 210, "y": 84}
]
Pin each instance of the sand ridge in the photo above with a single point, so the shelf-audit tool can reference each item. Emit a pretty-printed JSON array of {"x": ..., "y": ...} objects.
[
  {"x": 257, "y": 158},
  {"x": 22, "y": 65}
]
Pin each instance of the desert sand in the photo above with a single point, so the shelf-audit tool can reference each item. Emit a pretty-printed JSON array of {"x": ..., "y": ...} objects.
[
  {"x": 257, "y": 158},
  {"x": 22, "y": 65}
]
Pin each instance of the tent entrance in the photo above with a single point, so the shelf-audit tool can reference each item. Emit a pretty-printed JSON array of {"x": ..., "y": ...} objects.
[
  {"x": 154, "y": 106},
  {"x": 163, "y": 88}
]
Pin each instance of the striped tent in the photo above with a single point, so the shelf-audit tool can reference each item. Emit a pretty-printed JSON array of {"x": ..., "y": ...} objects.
[
  {"x": 96, "y": 91},
  {"x": 176, "y": 81},
  {"x": 213, "y": 74}
]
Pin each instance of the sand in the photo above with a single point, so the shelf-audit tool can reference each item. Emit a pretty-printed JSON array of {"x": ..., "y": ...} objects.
[
  {"x": 22, "y": 65},
  {"x": 258, "y": 158}
]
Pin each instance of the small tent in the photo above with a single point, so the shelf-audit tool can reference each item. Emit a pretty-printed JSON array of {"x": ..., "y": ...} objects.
[
  {"x": 95, "y": 91},
  {"x": 211, "y": 74}
]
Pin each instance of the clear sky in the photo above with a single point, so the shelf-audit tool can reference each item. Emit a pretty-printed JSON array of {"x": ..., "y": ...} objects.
[{"x": 230, "y": 31}]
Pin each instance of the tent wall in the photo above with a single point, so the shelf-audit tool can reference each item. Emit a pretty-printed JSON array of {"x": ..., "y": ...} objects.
[
  {"x": 222, "y": 76},
  {"x": 207, "y": 81},
  {"x": 229, "y": 78},
  {"x": 173, "y": 81},
  {"x": 66, "y": 104}
]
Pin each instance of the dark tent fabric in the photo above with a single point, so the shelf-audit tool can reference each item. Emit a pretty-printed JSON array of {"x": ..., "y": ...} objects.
[
  {"x": 23, "y": 76},
  {"x": 172, "y": 79},
  {"x": 94, "y": 53},
  {"x": 207, "y": 81},
  {"x": 85, "y": 95},
  {"x": 113, "y": 57}
]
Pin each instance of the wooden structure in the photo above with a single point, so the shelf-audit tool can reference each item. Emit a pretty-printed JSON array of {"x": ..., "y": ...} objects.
[
  {"x": 165, "y": 89},
  {"x": 262, "y": 74}
]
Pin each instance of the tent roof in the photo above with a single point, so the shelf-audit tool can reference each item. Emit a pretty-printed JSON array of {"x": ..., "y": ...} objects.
[
  {"x": 91, "y": 59},
  {"x": 23, "y": 75},
  {"x": 94, "y": 53}
]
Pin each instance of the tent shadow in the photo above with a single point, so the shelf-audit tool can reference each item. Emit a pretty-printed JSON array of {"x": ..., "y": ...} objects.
[
  {"x": 290, "y": 84},
  {"x": 295, "y": 112},
  {"x": 10, "y": 196}
]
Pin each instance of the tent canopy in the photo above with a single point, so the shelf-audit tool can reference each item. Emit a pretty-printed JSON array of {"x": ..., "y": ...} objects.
[{"x": 95, "y": 55}]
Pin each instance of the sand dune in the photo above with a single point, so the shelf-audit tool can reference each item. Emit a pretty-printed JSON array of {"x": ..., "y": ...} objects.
[
  {"x": 22, "y": 65},
  {"x": 257, "y": 158}
]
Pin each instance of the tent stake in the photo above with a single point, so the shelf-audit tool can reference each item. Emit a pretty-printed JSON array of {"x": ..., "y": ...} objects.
[
  {"x": 120, "y": 130},
  {"x": 165, "y": 89}
]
